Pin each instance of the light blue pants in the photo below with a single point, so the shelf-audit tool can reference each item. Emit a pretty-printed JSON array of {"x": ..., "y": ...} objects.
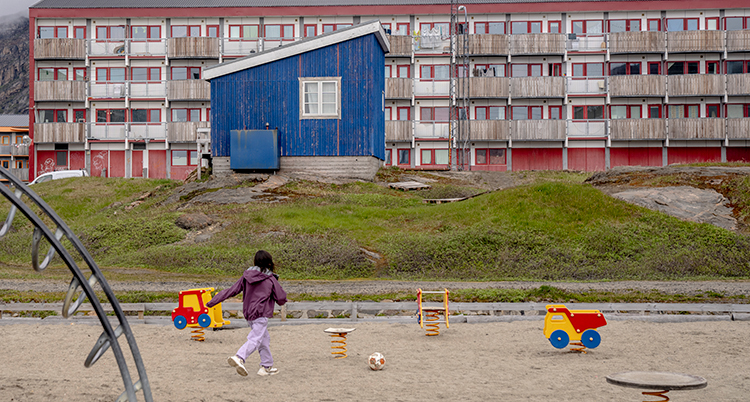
[{"x": 258, "y": 339}]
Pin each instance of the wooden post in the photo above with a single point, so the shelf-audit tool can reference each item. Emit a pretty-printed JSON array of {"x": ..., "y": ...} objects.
[
  {"x": 353, "y": 316},
  {"x": 283, "y": 313}
]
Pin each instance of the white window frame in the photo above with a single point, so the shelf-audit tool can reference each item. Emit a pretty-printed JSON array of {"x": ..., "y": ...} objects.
[{"x": 307, "y": 116}]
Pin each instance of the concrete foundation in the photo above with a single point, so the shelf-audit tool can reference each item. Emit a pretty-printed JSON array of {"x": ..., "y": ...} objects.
[{"x": 341, "y": 167}]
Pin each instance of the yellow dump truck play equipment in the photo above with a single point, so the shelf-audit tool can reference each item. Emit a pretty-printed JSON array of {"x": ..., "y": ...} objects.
[{"x": 193, "y": 312}]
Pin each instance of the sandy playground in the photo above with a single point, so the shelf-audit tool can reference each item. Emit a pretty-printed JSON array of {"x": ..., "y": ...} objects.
[{"x": 468, "y": 362}]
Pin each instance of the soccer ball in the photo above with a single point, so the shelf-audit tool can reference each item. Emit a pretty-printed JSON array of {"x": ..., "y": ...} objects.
[{"x": 376, "y": 361}]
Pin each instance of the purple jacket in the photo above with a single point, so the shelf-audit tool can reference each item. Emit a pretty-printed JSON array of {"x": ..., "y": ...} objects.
[{"x": 260, "y": 291}]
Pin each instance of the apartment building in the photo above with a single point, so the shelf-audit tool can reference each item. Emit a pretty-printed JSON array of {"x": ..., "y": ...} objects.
[
  {"x": 14, "y": 148},
  {"x": 117, "y": 88}
]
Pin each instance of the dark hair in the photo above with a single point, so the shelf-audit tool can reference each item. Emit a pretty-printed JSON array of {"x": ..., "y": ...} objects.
[{"x": 263, "y": 260}]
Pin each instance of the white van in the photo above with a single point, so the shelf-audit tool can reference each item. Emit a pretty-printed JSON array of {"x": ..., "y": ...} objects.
[{"x": 63, "y": 174}]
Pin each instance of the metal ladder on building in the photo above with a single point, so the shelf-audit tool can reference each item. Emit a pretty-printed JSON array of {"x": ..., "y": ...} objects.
[{"x": 459, "y": 127}]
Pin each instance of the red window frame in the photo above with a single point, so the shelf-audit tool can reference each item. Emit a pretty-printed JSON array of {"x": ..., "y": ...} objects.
[
  {"x": 528, "y": 26},
  {"x": 190, "y": 113},
  {"x": 745, "y": 66},
  {"x": 745, "y": 21},
  {"x": 314, "y": 30},
  {"x": 399, "y": 152},
  {"x": 214, "y": 28},
  {"x": 487, "y": 66},
  {"x": 150, "y": 35},
  {"x": 658, "y": 67},
  {"x": 658, "y": 24},
  {"x": 529, "y": 67},
  {"x": 79, "y": 32},
  {"x": 488, "y": 158},
  {"x": 684, "y": 66},
  {"x": 431, "y": 68},
  {"x": 56, "y": 115},
  {"x": 149, "y": 116},
  {"x": 400, "y": 25},
  {"x": 432, "y": 156},
  {"x": 585, "y": 27},
  {"x": 387, "y": 71},
  {"x": 84, "y": 75},
  {"x": 108, "y": 30},
  {"x": 242, "y": 38},
  {"x": 627, "y": 24},
  {"x": 208, "y": 114},
  {"x": 402, "y": 109},
  {"x": 334, "y": 27},
  {"x": 585, "y": 70},
  {"x": 59, "y": 31},
  {"x": 77, "y": 113},
  {"x": 555, "y": 111},
  {"x": 190, "y": 155},
  {"x": 651, "y": 109},
  {"x": 108, "y": 74},
  {"x": 388, "y": 157},
  {"x": 400, "y": 69},
  {"x": 745, "y": 109},
  {"x": 388, "y": 112},
  {"x": 684, "y": 23},
  {"x": 109, "y": 113},
  {"x": 715, "y": 19},
  {"x": 554, "y": 69},
  {"x": 431, "y": 25},
  {"x": 486, "y": 112},
  {"x": 56, "y": 71},
  {"x": 529, "y": 112},
  {"x": 715, "y": 105},
  {"x": 153, "y": 74},
  {"x": 685, "y": 110},
  {"x": 628, "y": 67},
  {"x": 430, "y": 112},
  {"x": 585, "y": 109},
  {"x": 486, "y": 27},
  {"x": 716, "y": 64},
  {"x": 628, "y": 111},
  {"x": 189, "y": 71},
  {"x": 190, "y": 31},
  {"x": 557, "y": 30},
  {"x": 282, "y": 35}
]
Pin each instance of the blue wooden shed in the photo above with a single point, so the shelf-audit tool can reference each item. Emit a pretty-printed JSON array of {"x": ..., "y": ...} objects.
[{"x": 317, "y": 103}]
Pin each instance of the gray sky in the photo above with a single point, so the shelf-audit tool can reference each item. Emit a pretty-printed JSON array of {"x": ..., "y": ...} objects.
[{"x": 10, "y": 7}]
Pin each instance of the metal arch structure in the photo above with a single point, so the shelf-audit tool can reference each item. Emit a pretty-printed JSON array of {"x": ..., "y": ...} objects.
[{"x": 108, "y": 339}]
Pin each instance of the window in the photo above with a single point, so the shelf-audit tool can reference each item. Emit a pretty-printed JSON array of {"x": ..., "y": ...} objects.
[
  {"x": 6, "y": 164},
  {"x": 555, "y": 112},
  {"x": 625, "y": 68},
  {"x": 525, "y": 70},
  {"x": 61, "y": 158},
  {"x": 654, "y": 111},
  {"x": 526, "y": 112},
  {"x": 713, "y": 110},
  {"x": 555, "y": 69},
  {"x": 387, "y": 71},
  {"x": 524, "y": 27},
  {"x": 554, "y": 27},
  {"x": 388, "y": 112},
  {"x": 79, "y": 74},
  {"x": 402, "y": 28},
  {"x": 180, "y": 158},
  {"x": 589, "y": 112},
  {"x": 79, "y": 115},
  {"x": 114, "y": 74},
  {"x": 654, "y": 24},
  {"x": 490, "y": 112},
  {"x": 440, "y": 26},
  {"x": 712, "y": 24},
  {"x": 182, "y": 115},
  {"x": 737, "y": 67},
  {"x": 403, "y": 113},
  {"x": 53, "y": 74},
  {"x": 736, "y": 23},
  {"x": 212, "y": 31},
  {"x": 183, "y": 31},
  {"x": 334, "y": 27},
  {"x": 53, "y": 32},
  {"x": 434, "y": 156},
  {"x": 386, "y": 27},
  {"x": 683, "y": 67},
  {"x": 435, "y": 114},
  {"x": 110, "y": 115},
  {"x": 5, "y": 140},
  {"x": 490, "y": 156},
  {"x": 145, "y": 115},
  {"x": 489, "y": 70},
  {"x": 588, "y": 69},
  {"x": 142, "y": 33},
  {"x": 654, "y": 67},
  {"x": 143, "y": 74},
  {"x": 116, "y": 32},
  {"x": 320, "y": 98},
  {"x": 435, "y": 72},
  {"x": 79, "y": 32},
  {"x": 276, "y": 32},
  {"x": 243, "y": 32},
  {"x": 388, "y": 157},
  {"x": 624, "y": 25},
  {"x": 404, "y": 157},
  {"x": 311, "y": 30},
  {"x": 738, "y": 111},
  {"x": 19, "y": 164},
  {"x": 587, "y": 27},
  {"x": 489, "y": 28},
  {"x": 625, "y": 112},
  {"x": 53, "y": 116},
  {"x": 683, "y": 111},
  {"x": 682, "y": 24},
  {"x": 186, "y": 73},
  {"x": 712, "y": 67},
  {"x": 403, "y": 71}
]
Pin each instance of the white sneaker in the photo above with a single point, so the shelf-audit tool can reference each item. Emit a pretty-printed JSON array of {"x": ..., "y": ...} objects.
[
  {"x": 235, "y": 361},
  {"x": 267, "y": 371}
]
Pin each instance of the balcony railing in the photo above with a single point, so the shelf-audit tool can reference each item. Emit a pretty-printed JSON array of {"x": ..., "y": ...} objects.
[
  {"x": 65, "y": 91},
  {"x": 186, "y": 131},
  {"x": 487, "y": 87},
  {"x": 63, "y": 48},
  {"x": 104, "y": 90},
  {"x": 193, "y": 48},
  {"x": 738, "y": 41},
  {"x": 130, "y": 47},
  {"x": 489, "y": 130},
  {"x": 188, "y": 90},
  {"x": 587, "y": 86},
  {"x": 537, "y": 87},
  {"x": 59, "y": 132},
  {"x": 19, "y": 150},
  {"x": 695, "y": 85},
  {"x": 637, "y": 85},
  {"x": 695, "y": 41},
  {"x": 696, "y": 129},
  {"x": 20, "y": 173},
  {"x": 537, "y": 43},
  {"x": 428, "y": 87},
  {"x": 738, "y": 129},
  {"x": 432, "y": 44},
  {"x": 5, "y": 149},
  {"x": 637, "y": 42},
  {"x": 431, "y": 129},
  {"x": 132, "y": 131},
  {"x": 593, "y": 43},
  {"x": 587, "y": 128},
  {"x": 132, "y": 89},
  {"x": 488, "y": 45},
  {"x": 738, "y": 84},
  {"x": 537, "y": 130},
  {"x": 398, "y": 88},
  {"x": 401, "y": 45},
  {"x": 234, "y": 47},
  {"x": 638, "y": 129},
  {"x": 398, "y": 130}
]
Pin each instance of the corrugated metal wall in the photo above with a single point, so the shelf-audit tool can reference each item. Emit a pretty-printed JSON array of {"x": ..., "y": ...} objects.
[{"x": 248, "y": 99}]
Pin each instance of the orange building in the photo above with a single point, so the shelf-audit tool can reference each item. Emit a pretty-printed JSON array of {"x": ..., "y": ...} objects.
[{"x": 14, "y": 151}]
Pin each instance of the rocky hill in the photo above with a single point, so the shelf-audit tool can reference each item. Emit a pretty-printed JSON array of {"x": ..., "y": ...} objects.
[{"x": 14, "y": 66}]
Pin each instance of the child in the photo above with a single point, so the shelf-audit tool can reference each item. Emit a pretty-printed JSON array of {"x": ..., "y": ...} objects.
[{"x": 261, "y": 289}]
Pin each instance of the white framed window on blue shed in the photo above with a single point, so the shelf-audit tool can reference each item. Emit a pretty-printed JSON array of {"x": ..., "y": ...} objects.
[{"x": 320, "y": 97}]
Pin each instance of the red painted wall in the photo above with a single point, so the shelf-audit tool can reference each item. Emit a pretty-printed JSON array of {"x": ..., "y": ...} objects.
[
  {"x": 693, "y": 155},
  {"x": 645, "y": 156},
  {"x": 99, "y": 162},
  {"x": 536, "y": 159},
  {"x": 181, "y": 172},
  {"x": 117, "y": 163},
  {"x": 45, "y": 162},
  {"x": 77, "y": 160},
  {"x": 490, "y": 168},
  {"x": 741, "y": 154},
  {"x": 586, "y": 159},
  {"x": 137, "y": 164},
  {"x": 157, "y": 164}
]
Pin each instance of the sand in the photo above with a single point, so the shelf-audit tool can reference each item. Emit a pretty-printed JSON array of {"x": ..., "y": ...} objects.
[{"x": 467, "y": 362}]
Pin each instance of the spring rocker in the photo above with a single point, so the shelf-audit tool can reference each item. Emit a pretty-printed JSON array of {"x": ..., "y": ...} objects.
[
  {"x": 338, "y": 344},
  {"x": 192, "y": 312},
  {"x": 429, "y": 317},
  {"x": 565, "y": 327}
]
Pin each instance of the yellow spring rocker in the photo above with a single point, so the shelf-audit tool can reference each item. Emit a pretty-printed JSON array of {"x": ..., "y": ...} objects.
[{"x": 192, "y": 312}]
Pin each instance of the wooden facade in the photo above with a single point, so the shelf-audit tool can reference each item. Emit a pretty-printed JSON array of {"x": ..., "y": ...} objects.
[
  {"x": 638, "y": 129},
  {"x": 398, "y": 130},
  {"x": 696, "y": 129},
  {"x": 637, "y": 85},
  {"x": 65, "y": 91},
  {"x": 637, "y": 42},
  {"x": 184, "y": 131},
  {"x": 538, "y": 130},
  {"x": 738, "y": 84},
  {"x": 399, "y": 88},
  {"x": 539, "y": 43},
  {"x": 695, "y": 41},
  {"x": 488, "y": 45},
  {"x": 193, "y": 48},
  {"x": 487, "y": 87},
  {"x": 738, "y": 41},
  {"x": 401, "y": 45},
  {"x": 537, "y": 87},
  {"x": 188, "y": 90},
  {"x": 63, "y": 48},
  {"x": 695, "y": 85},
  {"x": 489, "y": 130},
  {"x": 19, "y": 150},
  {"x": 738, "y": 129},
  {"x": 59, "y": 132}
]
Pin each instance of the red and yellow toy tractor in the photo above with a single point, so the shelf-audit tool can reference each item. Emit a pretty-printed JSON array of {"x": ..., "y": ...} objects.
[
  {"x": 193, "y": 312},
  {"x": 575, "y": 327}
]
